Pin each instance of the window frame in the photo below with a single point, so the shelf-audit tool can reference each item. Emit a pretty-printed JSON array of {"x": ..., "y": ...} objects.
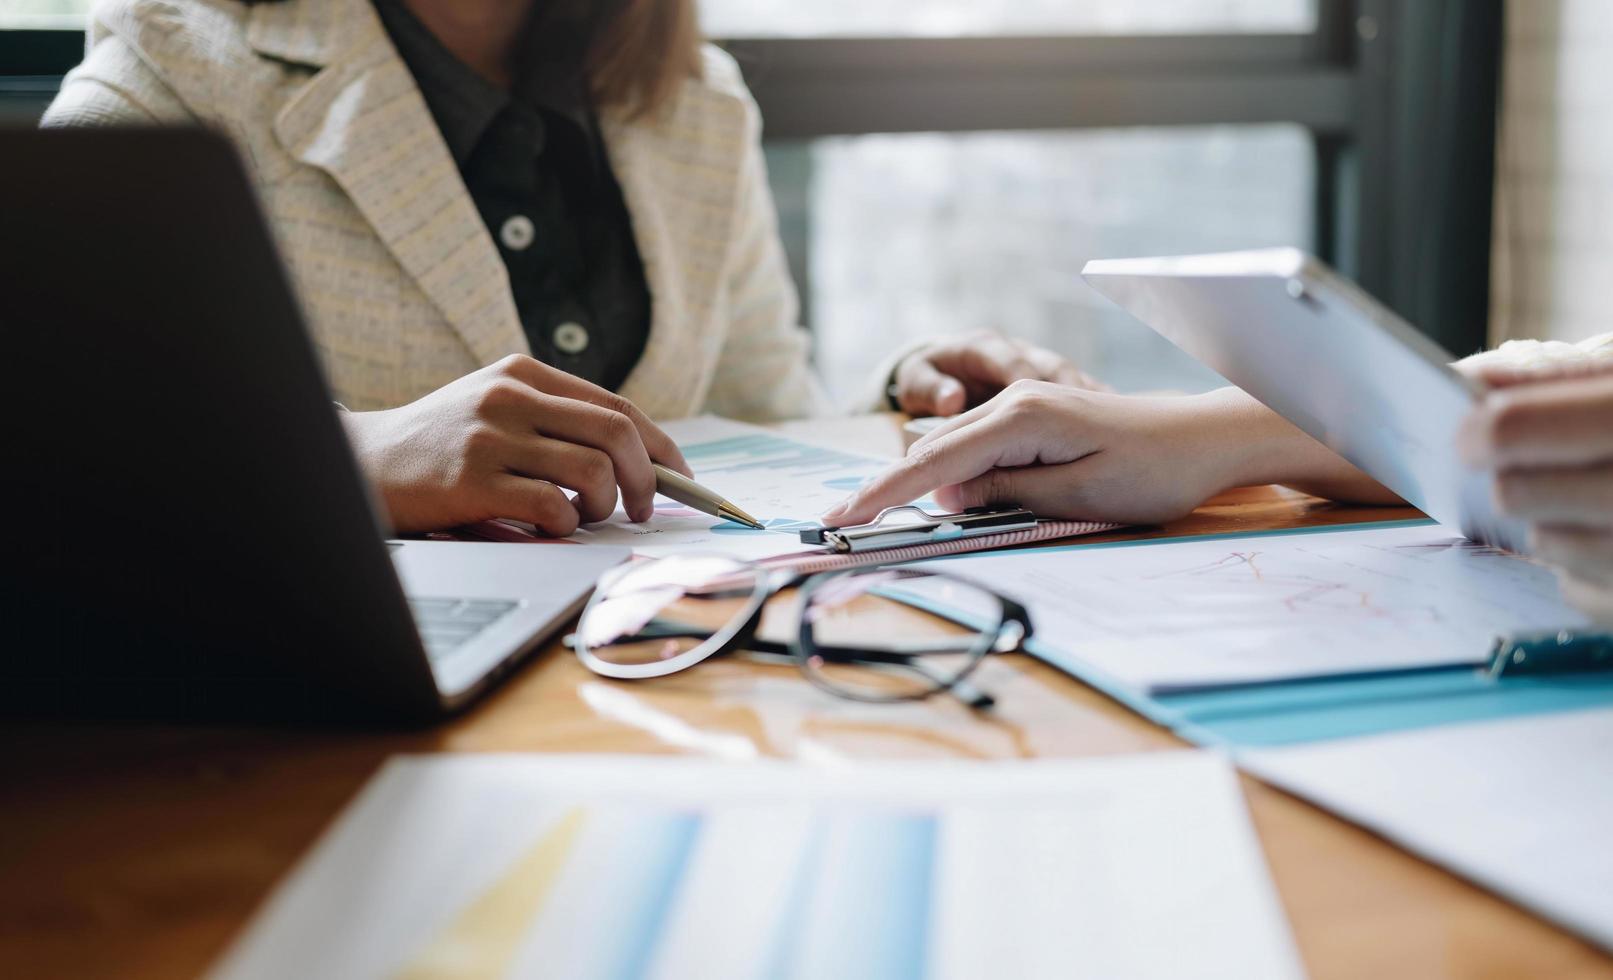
[
  {"x": 32, "y": 63},
  {"x": 1405, "y": 214}
]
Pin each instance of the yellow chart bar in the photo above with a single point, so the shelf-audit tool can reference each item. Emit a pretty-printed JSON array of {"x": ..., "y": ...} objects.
[{"x": 482, "y": 940}]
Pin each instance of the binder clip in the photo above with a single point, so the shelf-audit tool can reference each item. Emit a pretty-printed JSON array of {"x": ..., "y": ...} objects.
[{"x": 1558, "y": 652}]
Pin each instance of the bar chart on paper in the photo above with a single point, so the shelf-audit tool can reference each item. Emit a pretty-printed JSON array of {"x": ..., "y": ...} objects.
[
  {"x": 784, "y": 483},
  {"x": 512, "y": 866}
]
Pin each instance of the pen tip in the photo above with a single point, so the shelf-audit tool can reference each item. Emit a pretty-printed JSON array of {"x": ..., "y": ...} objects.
[{"x": 740, "y": 517}]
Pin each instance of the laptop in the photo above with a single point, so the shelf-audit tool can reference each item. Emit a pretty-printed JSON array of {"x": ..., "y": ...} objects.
[
  {"x": 187, "y": 533},
  {"x": 1317, "y": 349}
]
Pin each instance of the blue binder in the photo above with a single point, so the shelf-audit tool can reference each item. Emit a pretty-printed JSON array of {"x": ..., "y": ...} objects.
[{"x": 1313, "y": 710}]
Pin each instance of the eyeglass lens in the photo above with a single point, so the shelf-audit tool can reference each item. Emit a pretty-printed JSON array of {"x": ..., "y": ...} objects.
[
  {"x": 876, "y": 635},
  {"x": 655, "y": 611}
]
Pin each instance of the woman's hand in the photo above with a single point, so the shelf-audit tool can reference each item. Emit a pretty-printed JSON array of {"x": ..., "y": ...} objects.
[
  {"x": 1061, "y": 452},
  {"x": 502, "y": 442},
  {"x": 948, "y": 376},
  {"x": 1549, "y": 438},
  {"x": 1092, "y": 455}
]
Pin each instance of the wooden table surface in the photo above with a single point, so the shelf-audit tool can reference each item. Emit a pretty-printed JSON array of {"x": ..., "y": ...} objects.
[{"x": 136, "y": 851}]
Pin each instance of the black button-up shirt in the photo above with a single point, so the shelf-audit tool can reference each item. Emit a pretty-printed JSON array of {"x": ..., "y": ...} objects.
[{"x": 534, "y": 163}]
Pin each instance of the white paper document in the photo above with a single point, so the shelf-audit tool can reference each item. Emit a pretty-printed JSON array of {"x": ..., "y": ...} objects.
[
  {"x": 1523, "y": 807},
  {"x": 527, "y": 866},
  {"x": 1188, "y": 613},
  {"x": 782, "y": 482}
]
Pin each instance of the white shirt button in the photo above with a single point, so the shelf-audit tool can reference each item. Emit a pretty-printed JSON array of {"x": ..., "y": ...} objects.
[
  {"x": 517, "y": 232},
  {"x": 571, "y": 338}
]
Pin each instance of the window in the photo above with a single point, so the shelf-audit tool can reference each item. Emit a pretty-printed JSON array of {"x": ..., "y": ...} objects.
[
  {"x": 894, "y": 237},
  {"x": 919, "y": 234},
  {"x": 954, "y": 18},
  {"x": 44, "y": 13},
  {"x": 1361, "y": 129}
]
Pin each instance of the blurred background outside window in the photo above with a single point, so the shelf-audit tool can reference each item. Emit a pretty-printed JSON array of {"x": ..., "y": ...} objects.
[
  {"x": 913, "y": 235},
  {"x": 43, "y": 13},
  {"x": 959, "y": 18},
  {"x": 896, "y": 237}
]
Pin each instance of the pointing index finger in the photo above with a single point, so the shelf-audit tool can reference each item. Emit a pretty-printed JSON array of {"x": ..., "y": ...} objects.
[{"x": 952, "y": 458}]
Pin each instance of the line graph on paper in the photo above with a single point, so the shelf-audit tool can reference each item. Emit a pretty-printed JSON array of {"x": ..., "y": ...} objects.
[
  {"x": 1301, "y": 593},
  {"x": 1187, "y": 613}
]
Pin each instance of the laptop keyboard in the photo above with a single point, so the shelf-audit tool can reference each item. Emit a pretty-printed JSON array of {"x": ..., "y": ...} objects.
[{"x": 448, "y": 624}]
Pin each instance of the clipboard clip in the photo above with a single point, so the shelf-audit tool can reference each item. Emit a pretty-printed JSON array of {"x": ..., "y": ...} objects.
[
  {"x": 1552, "y": 652},
  {"x": 920, "y": 527}
]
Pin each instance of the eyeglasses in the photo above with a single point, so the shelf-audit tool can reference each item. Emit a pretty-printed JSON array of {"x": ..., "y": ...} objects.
[{"x": 877, "y": 635}]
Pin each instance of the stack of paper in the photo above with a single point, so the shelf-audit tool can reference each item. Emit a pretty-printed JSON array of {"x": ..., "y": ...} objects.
[
  {"x": 1523, "y": 806},
  {"x": 514, "y": 866}
]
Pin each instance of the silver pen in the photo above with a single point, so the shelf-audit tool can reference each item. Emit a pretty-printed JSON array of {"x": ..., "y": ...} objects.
[{"x": 671, "y": 483}]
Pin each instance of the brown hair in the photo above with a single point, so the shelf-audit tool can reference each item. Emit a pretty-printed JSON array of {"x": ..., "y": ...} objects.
[
  {"x": 639, "y": 51},
  {"x": 642, "y": 54}
]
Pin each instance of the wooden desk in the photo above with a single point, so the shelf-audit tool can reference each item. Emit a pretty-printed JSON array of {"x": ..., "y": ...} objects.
[{"x": 140, "y": 851}]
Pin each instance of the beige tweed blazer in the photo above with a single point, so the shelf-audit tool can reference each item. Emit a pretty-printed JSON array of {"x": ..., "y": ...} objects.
[{"x": 402, "y": 285}]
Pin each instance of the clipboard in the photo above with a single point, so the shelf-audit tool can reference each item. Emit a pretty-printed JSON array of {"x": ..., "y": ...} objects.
[{"x": 1560, "y": 671}]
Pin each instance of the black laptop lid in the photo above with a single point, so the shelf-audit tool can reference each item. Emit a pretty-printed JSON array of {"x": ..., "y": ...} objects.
[{"x": 188, "y": 532}]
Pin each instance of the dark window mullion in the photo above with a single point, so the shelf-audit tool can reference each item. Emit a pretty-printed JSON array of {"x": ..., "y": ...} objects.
[{"x": 47, "y": 53}]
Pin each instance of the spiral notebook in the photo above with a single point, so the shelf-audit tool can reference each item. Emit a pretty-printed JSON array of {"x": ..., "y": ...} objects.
[{"x": 811, "y": 562}]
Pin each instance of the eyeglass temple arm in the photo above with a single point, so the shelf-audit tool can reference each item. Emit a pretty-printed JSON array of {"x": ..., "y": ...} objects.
[
  {"x": 665, "y": 628},
  {"x": 1009, "y": 636}
]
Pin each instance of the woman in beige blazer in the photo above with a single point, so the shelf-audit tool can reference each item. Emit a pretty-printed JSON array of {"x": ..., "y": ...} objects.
[{"x": 407, "y": 288}]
